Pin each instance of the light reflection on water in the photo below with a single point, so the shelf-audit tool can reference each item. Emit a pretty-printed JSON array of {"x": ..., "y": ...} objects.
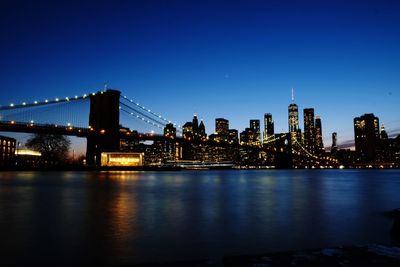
[{"x": 130, "y": 217}]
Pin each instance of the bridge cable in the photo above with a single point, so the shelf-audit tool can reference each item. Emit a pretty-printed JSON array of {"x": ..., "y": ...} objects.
[{"x": 150, "y": 111}]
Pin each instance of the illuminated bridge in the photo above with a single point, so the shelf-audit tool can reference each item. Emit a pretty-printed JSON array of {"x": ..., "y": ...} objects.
[
  {"x": 99, "y": 117},
  {"x": 100, "y": 126}
]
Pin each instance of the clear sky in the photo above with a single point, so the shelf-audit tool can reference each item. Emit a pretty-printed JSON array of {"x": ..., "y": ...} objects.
[{"x": 231, "y": 59}]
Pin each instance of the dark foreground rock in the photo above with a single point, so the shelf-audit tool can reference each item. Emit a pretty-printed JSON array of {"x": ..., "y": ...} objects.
[
  {"x": 396, "y": 224},
  {"x": 350, "y": 256}
]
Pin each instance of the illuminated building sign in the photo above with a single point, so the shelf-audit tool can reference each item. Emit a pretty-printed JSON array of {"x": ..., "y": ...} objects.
[{"x": 121, "y": 159}]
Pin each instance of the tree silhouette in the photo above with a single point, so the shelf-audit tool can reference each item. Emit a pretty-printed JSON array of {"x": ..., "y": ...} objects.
[{"x": 54, "y": 148}]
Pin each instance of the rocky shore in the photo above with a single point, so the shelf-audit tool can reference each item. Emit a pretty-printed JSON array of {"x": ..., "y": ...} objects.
[{"x": 372, "y": 255}]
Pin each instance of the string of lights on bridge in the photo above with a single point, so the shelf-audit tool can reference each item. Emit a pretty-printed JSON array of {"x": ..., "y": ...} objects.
[
  {"x": 47, "y": 101},
  {"x": 134, "y": 113},
  {"x": 305, "y": 150},
  {"x": 272, "y": 139},
  {"x": 310, "y": 154},
  {"x": 145, "y": 115},
  {"x": 151, "y": 112},
  {"x": 141, "y": 118}
]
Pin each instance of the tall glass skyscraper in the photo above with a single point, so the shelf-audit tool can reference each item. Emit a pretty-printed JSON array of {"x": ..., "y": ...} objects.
[
  {"x": 309, "y": 130},
  {"x": 294, "y": 131},
  {"x": 367, "y": 137},
  {"x": 268, "y": 126},
  {"x": 255, "y": 128},
  {"x": 222, "y": 129},
  {"x": 293, "y": 118},
  {"x": 318, "y": 134}
]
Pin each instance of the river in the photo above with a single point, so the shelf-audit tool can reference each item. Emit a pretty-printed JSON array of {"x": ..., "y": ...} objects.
[{"x": 127, "y": 217}]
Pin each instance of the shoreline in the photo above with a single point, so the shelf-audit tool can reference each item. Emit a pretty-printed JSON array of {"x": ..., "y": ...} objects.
[
  {"x": 370, "y": 255},
  {"x": 178, "y": 168}
]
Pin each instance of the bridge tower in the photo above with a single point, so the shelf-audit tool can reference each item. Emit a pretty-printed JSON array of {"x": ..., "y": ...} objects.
[{"x": 104, "y": 119}]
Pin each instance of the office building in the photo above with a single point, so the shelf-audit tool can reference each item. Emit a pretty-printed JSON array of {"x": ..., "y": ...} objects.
[
  {"x": 195, "y": 127},
  {"x": 334, "y": 147},
  {"x": 367, "y": 137},
  {"x": 221, "y": 129},
  {"x": 233, "y": 136},
  {"x": 170, "y": 131},
  {"x": 268, "y": 127},
  {"x": 309, "y": 130},
  {"x": 293, "y": 112},
  {"x": 202, "y": 131},
  {"x": 318, "y": 134},
  {"x": 255, "y": 127},
  {"x": 7, "y": 151},
  {"x": 187, "y": 130},
  {"x": 293, "y": 118}
]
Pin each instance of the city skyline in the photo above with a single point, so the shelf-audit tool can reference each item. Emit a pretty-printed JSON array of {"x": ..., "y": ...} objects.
[
  {"x": 230, "y": 59},
  {"x": 79, "y": 144}
]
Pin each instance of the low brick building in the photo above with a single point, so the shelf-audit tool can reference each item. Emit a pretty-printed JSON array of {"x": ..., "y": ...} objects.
[{"x": 7, "y": 151}]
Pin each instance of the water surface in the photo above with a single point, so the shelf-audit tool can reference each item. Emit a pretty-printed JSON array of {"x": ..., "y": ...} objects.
[{"x": 133, "y": 217}]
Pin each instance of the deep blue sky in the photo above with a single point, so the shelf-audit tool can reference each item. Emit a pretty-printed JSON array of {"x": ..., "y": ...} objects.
[{"x": 232, "y": 59}]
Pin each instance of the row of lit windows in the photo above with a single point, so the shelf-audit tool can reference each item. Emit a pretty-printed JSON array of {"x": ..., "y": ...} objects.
[
  {"x": 7, "y": 149},
  {"x": 2, "y": 147},
  {"x": 5, "y": 142}
]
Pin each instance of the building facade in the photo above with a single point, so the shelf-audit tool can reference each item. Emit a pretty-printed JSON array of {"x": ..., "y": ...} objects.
[
  {"x": 7, "y": 151},
  {"x": 293, "y": 118},
  {"x": 309, "y": 130},
  {"x": 233, "y": 136},
  {"x": 366, "y": 137},
  {"x": 334, "y": 147},
  {"x": 222, "y": 129},
  {"x": 170, "y": 131},
  {"x": 294, "y": 130},
  {"x": 319, "y": 143},
  {"x": 255, "y": 127},
  {"x": 268, "y": 127}
]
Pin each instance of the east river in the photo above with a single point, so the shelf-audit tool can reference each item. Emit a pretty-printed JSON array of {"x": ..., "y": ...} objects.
[{"x": 123, "y": 218}]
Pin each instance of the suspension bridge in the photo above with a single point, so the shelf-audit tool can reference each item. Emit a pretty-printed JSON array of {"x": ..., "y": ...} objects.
[{"x": 100, "y": 116}]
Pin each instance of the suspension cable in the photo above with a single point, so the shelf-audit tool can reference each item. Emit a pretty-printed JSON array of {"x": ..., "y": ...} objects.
[{"x": 150, "y": 111}]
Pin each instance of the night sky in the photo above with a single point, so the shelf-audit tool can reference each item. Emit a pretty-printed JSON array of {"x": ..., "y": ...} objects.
[{"x": 231, "y": 59}]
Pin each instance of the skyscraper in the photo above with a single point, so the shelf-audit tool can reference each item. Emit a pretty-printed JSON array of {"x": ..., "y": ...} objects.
[
  {"x": 222, "y": 126},
  {"x": 193, "y": 130},
  {"x": 222, "y": 129},
  {"x": 334, "y": 147},
  {"x": 384, "y": 135},
  {"x": 367, "y": 137},
  {"x": 309, "y": 130},
  {"x": 386, "y": 145},
  {"x": 169, "y": 146},
  {"x": 268, "y": 126},
  {"x": 293, "y": 118},
  {"x": 233, "y": 136},
  {"x": 293, "y": 112},
  {"x": 247, "y": 137},
  {"x": 170, "y": 131},
  {"x": 255, "y": 127},
  {"x": 202, "y": 131},
  {"x": 195, "y": 123},
  {"x": 318, "y": 134},
  {"x": 187, "y": 130}
]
